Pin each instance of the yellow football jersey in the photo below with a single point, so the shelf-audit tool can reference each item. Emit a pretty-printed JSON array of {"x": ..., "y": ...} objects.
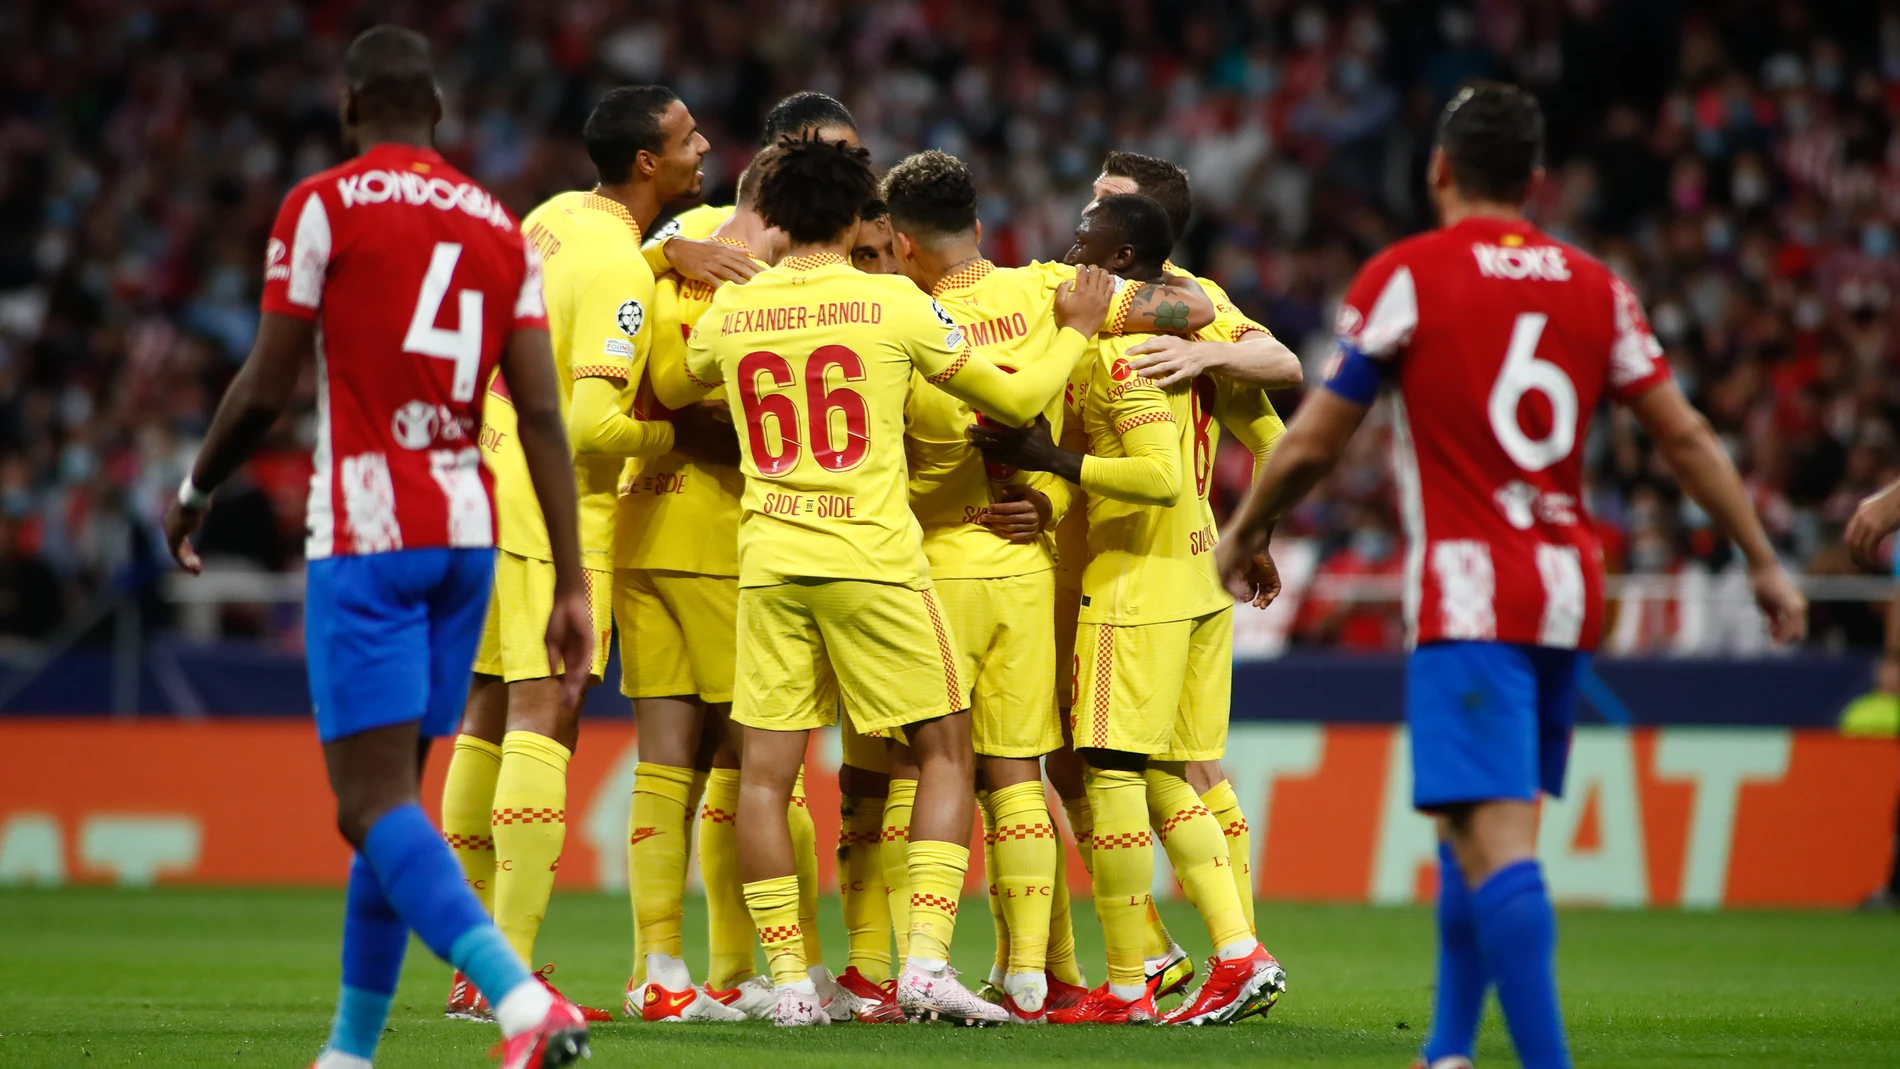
[
  {"x": 677, "y": 514},
  {"x": 1229, "y": 321},
  {"x": 1148, "y": 564},
  {"x": 820, "y": 357},
  {"x": 598, "y": 293},
  {"x": 1008, "y": 315},
  {"x": 697, "y": 224}
]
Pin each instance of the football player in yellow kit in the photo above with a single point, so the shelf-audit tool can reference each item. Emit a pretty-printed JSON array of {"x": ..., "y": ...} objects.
[
  {"x": 685, "y": 243},
  {"x": 505, "y": 799},
  {"x": 836, "y": 600},
  {"x": 1153, "y": 649},
  {"x": 996, "y": 593}
]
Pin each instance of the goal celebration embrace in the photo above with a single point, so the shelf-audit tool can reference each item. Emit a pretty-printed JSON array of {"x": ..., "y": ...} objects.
[{"x": 834, "y": 468}]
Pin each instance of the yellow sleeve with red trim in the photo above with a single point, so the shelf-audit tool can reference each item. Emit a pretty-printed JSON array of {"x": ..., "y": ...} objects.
[{"x": 598, "y": 423}]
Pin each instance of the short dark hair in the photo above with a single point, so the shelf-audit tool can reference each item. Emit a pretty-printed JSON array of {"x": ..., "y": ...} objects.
[
  {"x": 624, "y": 124},
  {"x": 746, "y": 194},
  {"x": 804, "y": 111},
  {"x": 931, "y": 192},
  {"x": 1493, "y": 137},
  {"x": 815, "y": 188},
  {"x": 390, "y": 75},
  {"x": 1141, "y": 222},
  {"x": 873, "y": 210},
  {"x": 1164, "y": 182}
]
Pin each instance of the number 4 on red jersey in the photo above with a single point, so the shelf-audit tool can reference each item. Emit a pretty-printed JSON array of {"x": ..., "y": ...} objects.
[{"x": 1499, "y": 342}]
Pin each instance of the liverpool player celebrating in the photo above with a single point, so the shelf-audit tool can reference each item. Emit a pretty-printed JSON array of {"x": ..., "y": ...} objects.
[
  {"x": 835, "y": 596},
  {"x": 996, "y": 593},
  {"x": 419, "y": 283},
  {"x": 1497, "y": 342},
  {"x": 1154, "y": 645}
]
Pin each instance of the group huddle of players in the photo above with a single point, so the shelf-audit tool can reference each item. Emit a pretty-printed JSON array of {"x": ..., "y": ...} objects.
[{"x": 791, "y": 509}]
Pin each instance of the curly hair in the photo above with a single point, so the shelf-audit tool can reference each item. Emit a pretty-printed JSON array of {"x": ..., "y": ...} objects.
[
  {"x": 932, "y": 194},
  {"x": 815, "y": 188},
  {"x": 1155, "y": 178},
  {"x": 1493, "y": 137}
]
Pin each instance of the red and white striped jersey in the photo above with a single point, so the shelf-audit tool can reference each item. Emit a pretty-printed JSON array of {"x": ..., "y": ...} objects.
[
  {"x": 416, "y": 277},
  {"x": 1500, "y": 341}
]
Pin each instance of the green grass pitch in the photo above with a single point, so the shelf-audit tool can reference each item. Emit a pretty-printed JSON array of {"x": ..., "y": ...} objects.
[{"x": 100, "y": 978}]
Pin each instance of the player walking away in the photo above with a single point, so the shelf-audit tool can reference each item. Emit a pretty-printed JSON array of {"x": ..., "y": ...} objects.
[
  {"x": 996, "y": 593},
  {"x": 835, "y": 596},
  {"x": 505, "y": 798},
  {"x": 685, "y": 242},
  {"x": 1497, "y": 342},
  {"x": 1154, "y": 644},
  {"x": 419, "y": 284}
]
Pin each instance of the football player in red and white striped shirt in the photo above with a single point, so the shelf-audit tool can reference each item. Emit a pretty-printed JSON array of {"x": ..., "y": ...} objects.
[
  {"x": 1496, "y": 343},
  {"x": 408, "y": 284}
]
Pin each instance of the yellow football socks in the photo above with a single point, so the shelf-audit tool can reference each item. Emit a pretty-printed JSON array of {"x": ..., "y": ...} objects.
[
  {"x": 805, "y": 856},
  {"x": 468, "y": 798},
  {"x": 1082, "y": 826},
  {"x": 1060, "y": 961},
  {"x": 894, "y": 856},
  {"x": 658, "y": 834},
  {"x": 1124, "y": 868},
  {"x": 998, "y": 922},
  {"x": 774, "y": 907},
  {"x": 1198, "y": 851},
  {"x": 867, "y": 919},
  {"x": 1221, "y": 801},
  {"x": 530, "y": 822},
  {"x": 1025, "y": 871},
  {"x": 729, "y": 930},
  {"x": 936, "y": 881}
]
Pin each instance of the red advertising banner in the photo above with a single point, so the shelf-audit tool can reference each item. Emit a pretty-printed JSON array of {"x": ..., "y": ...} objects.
[{"x": 1689, "y": 817}]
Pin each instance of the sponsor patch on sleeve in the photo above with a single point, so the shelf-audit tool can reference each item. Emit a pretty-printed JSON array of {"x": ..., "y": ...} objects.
[
  {"x": 616, "y": 347},
  {"x": 630, "y": 315}
]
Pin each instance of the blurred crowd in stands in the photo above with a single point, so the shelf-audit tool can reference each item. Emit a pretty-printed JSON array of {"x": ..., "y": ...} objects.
[{"x": 1736, "y": 160}]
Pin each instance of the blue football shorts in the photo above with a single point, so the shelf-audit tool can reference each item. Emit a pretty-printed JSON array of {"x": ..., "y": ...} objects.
[
  {"x": 390, "y": 637},
  {"x": 1490, "y": 720}
]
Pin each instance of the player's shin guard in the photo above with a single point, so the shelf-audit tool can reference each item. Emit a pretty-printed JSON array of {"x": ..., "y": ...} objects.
[
  {"x": 374, "y": 939},
  {"x": 867, "y": 919},
  {"x": 1124, "y": 871},
  {"x": 805, "y": 856},
  {"x": 530, "y": 821},
  {"x": 468, "y": 799},
  {"x": 936, "y": 880},
  {"x": 422, "y": 882},
  {"x": 1221, "y": 801},
  {"x": 729, "y": 929},
  {"x": 894, "y": 855},
  {"x": 1459, "y": 1005},
  {"x": 999, "y": 923},
  {"x": 658, "y": 834},
  {"x": 1198, "y": 851},
  {"x": 1060, "y": 960},
  {"x": 1025, "y": 871},
  {"x": 1517, "y": 933},
  {"x": 774, "y": 907}
]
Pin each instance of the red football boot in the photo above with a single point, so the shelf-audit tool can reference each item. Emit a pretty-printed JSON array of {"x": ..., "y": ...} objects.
[
  {"x": 559, "y": 1040},
  {"x": 465, "y": 1002},
  {"x": 1102, "y": 1007},
  {"x": 588, "y": 1013},
  {"x": 1063, "y": 996},
  {"x": 877, "y": 1002},
  {"x": 1233, "y": 988}
]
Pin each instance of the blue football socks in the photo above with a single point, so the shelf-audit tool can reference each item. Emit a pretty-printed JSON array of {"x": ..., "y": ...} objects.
[
  {"x": 422, "y": 880},
  {"x": 374, "y": 941},
  {"x": 1461, "y": 977},
  {"x": 1518, "y": 935}
]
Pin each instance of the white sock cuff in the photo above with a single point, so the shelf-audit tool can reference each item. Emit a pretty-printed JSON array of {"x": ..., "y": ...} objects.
[{"x": 523, "y": 1007}]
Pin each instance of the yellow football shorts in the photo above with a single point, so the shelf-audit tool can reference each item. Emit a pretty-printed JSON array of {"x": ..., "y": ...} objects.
[
  {"x": 1157, "y": 689},
  {"x": 676, "y": 633},
  {"x": 1009, "y": 659},
  {"x": 514, "y": 637},
  {"x": 1068, "y": 607},
  {"x": 886, "y": 650},
  {"x": 868, "y": 752}
]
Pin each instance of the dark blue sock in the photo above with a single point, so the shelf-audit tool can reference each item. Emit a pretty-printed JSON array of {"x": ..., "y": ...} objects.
[
  {"x": 374, "y": 940},
  {"x": 1461, "y": 978},
  {"x": 1518, "y": 934}
]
